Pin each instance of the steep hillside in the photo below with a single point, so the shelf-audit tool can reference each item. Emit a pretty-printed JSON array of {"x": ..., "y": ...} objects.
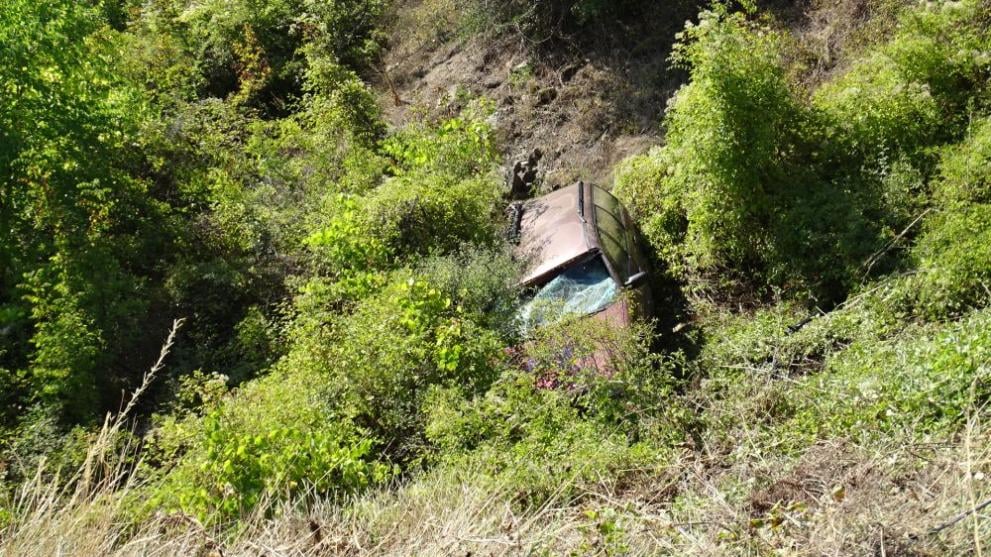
[
  {"x": 585, "y": 100},
  {"x": 315, "y": 192}
]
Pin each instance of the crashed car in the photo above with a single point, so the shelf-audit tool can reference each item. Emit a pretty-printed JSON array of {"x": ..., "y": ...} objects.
[{"x": 583, "y": 257}]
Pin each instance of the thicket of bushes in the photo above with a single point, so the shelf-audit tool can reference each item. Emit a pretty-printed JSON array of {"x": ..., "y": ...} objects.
[
  {"x": 225, "y": 162},
  {"x": 350, "y": 303},
  {"x": 147, "y": 175},
  {"x": 806, "y": 194}
]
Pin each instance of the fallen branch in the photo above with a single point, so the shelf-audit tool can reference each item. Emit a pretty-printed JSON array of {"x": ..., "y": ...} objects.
[
  {"x": 959, "y": 517},
  {"x": 869, "y": 264}
]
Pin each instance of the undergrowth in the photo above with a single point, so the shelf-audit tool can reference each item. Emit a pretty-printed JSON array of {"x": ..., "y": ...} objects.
[{"x": 352, "y": 377}]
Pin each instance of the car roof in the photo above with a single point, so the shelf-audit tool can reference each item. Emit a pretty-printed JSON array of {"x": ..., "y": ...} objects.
[{"x": 554, "y": 233}]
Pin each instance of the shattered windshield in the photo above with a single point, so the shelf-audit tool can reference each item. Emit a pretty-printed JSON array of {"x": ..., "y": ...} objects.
[{"x": 580, "y": 290}]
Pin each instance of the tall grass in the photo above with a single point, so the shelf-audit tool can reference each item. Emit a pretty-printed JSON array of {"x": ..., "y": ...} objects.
[{"x": 884, "y": 501}]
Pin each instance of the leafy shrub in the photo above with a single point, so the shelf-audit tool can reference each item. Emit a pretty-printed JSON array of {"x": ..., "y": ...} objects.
[
  {"x": 483, "y": 282},
  {"x": 365, "y": 342},
  {"x": 859, "y": 372},
  {"x": 338, "y": 100},
  {"x": 40, "y": 444},
  {"x": 77, "y": 224},
  {"x": 415, "y": 216},
  {"x": 904, "y": 191},
  {"x": 67, "y": 353},
  {"x": 944, "y": 46},
  {"x": 953, "y": 262},
  {"x": 457, "y": 149},
  {"x": 563, "y": 417},
  {"x": 536, "y": 441},
  {"x": 442, "y": 198},
  {"x": 442, "y": 194},
  {"x": 806, "y": 196},
  {"x": 253, "y": 48},
  {"x": 921, "y": 382},
  {"x": 349, "y": 390},
  {"x": 736, "y": 73},
  {"x": 254, "y": 346},
  {"x": 643, "y": 182},
  {"x": 292, "y": 170},
  {"x": 710, "y": 197},
  {"x": 398, "y": 343},
  {"x": 952, "y": 250},
  {"x": 878, "y": 111},
  {"x": 347, "y": 242},
  {"x": 241, "y": 470},
  {"x": 277, "y": 439},
  {"x": 965, "y": 170}
]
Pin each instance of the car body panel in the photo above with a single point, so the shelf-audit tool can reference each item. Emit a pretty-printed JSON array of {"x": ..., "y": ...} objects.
[
  {"x": 574, "y": 224},
  {"x": 570, "y": 227},
  {"x": 552, "y": 235}
]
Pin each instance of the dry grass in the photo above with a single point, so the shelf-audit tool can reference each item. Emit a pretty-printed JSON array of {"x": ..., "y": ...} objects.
[{"x": 836, "y": 499}]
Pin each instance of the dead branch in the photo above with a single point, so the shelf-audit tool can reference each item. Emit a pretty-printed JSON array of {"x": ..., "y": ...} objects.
[{"x": 956, "y": 519}]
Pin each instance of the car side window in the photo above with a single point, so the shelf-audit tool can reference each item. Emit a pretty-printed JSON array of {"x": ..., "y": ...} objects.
[{"x": 613, "y": 233}]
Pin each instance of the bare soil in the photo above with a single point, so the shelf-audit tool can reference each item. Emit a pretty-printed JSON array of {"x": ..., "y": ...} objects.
[{"x": 586, "y": 102}]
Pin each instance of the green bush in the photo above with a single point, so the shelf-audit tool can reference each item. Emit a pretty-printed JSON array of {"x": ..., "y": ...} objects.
[
  {"x": 394, "y": 346},
  {"x": 537, "y": 442},
  {"x": 953, "y": 256},
  {"x": 643, "y": 183},
  {"x": 951, "y": 253},
  {"x": 878, "y": 112},
  {"x": 717, "y": 196},
  {"x": 456, "y": 149},
  {"x": 807, "y": 196},
  {"x": 442, "y": 193},
  {"x": 923, "y": 381},
  {"x": 40, "y": 444},
  {"x": 277, "y": 439},
  {"x": 415, "y": 216},
  {"x": 483, "y": 282},
  {"x": 440, "y": 198},
  {"x": 862, "y": 372},
  {"x": 965, "y": 170},
  {"x": 80, "y": 233},
  {"x": 726, "y": 178},
  {"x": 253, "y": 49},
  {"x": 292, "y": 170},
  {"x": 944, "y": 46},
  {"x": 562, "y": 417},
  {"x": 348, "y": 243},
  {"x": 339, "y": 101},
  {"x": 349, "y": 390}
]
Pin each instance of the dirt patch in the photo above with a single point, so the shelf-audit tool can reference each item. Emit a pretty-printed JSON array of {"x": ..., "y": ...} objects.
[{"x": 586, "y": 108}]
